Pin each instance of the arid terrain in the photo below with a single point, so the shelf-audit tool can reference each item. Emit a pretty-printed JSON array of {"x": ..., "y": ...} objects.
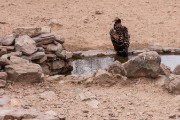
[
  {"x": 143, "y": 99},
  {"x": 85, "y": 25}
]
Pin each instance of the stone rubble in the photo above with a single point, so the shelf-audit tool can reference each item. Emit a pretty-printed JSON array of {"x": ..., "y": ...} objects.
[{"x": 30, "y": 52}]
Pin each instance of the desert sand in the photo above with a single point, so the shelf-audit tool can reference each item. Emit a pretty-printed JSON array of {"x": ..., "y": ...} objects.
[{"x": 85, "y": 25}]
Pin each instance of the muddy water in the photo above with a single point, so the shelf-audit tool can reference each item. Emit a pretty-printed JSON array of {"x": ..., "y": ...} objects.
[{"x": 92, "y": 64}]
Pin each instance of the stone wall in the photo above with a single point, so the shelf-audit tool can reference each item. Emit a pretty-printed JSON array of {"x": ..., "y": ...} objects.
[{"x": 34, "y": 45}]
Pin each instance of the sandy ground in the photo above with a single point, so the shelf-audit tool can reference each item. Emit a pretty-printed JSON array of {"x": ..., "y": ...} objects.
[
  {"x": 85, "y": 24},
  {"x": 142, "y": 99}
]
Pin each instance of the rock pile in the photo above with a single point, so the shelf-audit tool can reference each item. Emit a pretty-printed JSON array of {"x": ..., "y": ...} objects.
[{"x": 31, "y": 51}]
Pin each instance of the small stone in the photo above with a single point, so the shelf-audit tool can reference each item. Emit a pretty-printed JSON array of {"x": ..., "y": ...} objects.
[
  {"x": 49, "y": 95},
  {"x": 2, "y": 92},
  {"x": 128, "y": 114},
  {"x": 37, "y": 55},
  {"x": 8, "y": 48},
  {"x": 51, "y": 56},
  {"x": 54, "y": 48},
  {"x": 177, "y": 70},
  {"x": 2, "y": 83},
  {"x": 45, "y": 29},
  {"x": 40, "y": 49},
  {"x": 18, "y": 60},
  {"x": 62, "y": 117},
  {"x": 68, "y": 55},
  {"x": 44, "y": 39},
  {"x": 172, "y": 116},
  {"x": 15, "y": 102},
  {"x": 85, "y": 111},
  {"x": 98, "y": 12},
  {"x": 117, "y": 68},
  {"x": 46, "y": 116},
  {"x": 61, "y": 54},
  {"x": 57, "y": 64},
  {"x": 7, "y": 40},
  {"x": 3, "y": 75},
  {"x": 26, "y": 45},
  {"x": 164, "y": 70},
  {"x": 4, "y": 60},
  {"x": 46, "y": 69},
  {"x": 59, "y": 39},
  {"x": 104, "y": 78},
  {"x": 111, "y": 118},
  {"x": 172, "y": 84},
  {"x": 3, "y": 51},
  {"x": 93, "y": 103},
  {"x": 41, "y": 60},
  {"x": 84, "y": 96}
]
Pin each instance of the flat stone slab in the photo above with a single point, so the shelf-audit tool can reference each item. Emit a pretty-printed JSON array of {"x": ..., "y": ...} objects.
[
  {"x": 91, "y": 53},
  {"x": 158, "y": 49}
]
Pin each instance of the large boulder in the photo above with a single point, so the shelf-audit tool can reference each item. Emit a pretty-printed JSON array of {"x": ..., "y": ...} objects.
[
  {"x": 30, "y": 31},
  {"x": 144, "y": 65},
  {"x": 177, "y": 70},
  {"x": 117, "y": 68},
  {"x": 7, "y": 40},
  {"x": 26, "y": 45},
  {"x": 24, "y": 72}
]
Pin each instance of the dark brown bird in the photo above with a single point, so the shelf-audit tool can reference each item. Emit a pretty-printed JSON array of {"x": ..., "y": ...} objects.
[{"x": 120, "y": 38}]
